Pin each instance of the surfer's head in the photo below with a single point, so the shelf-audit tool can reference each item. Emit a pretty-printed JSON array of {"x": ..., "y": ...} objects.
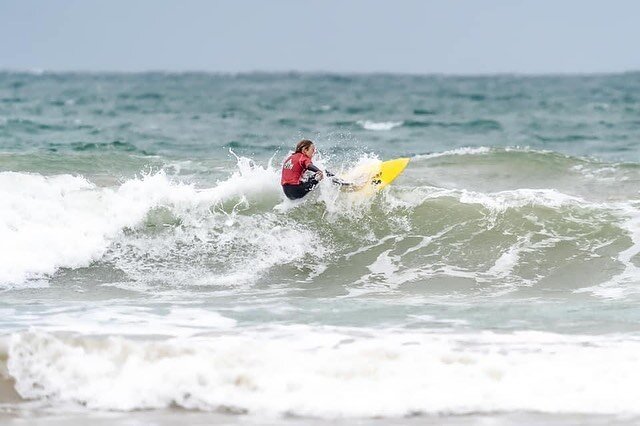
[{"x": 306, "y": 147}]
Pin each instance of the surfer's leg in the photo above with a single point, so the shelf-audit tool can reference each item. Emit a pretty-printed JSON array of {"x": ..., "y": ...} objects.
[
  {"x": 309, "y": 184},
  {"x": 294, "y": 192}
]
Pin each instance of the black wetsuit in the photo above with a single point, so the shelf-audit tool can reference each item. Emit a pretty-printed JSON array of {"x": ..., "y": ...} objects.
[{"x": 293, "y": 192}]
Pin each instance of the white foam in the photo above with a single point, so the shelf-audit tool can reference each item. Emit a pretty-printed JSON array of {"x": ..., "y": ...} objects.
[
  {"x": 458, "y": 151},
  {"x": 50, "y": 222},
  {"x": 497, "y": 201},
  {"x": 509, "y": 258},
  {"x": 379, "y": 126},
  {"x": 241, "y": 245},
  {"x": 503, "y": 200},
  {"x": 331, "y": 373},
  {"x": 47, "y": 222},
  {"x": 628, "y": 281},
  {"x": 609, "y": 173}
]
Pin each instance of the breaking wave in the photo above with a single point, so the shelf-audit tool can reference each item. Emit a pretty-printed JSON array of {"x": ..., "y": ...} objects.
[{"x": 156, "y": 229}]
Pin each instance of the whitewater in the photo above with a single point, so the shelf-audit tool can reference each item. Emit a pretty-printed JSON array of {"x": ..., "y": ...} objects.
[{"x": 151, "y": 268}]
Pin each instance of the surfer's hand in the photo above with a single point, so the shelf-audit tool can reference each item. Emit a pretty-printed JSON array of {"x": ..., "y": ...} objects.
[{"x": 319, "y": 176}]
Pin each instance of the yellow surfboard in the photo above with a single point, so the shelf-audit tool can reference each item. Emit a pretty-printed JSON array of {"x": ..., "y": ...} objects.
[{"x": 374, "y": 175}]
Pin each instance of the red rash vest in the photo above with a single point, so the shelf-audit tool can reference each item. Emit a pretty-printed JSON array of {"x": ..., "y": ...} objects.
[{"x": 293, "y": 168}]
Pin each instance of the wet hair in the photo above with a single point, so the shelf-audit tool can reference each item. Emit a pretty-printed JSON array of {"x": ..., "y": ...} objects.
[{"x": 303, "y": 144}]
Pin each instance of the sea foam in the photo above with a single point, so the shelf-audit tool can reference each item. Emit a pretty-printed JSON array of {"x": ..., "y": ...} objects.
[
  {"x": 333, "y": 372},
  {"x": 383, "y": 125},
  {"x": 51, "y": 222}
]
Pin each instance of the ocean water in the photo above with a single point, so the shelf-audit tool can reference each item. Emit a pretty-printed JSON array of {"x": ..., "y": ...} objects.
[{"x": 151, "y": 270}]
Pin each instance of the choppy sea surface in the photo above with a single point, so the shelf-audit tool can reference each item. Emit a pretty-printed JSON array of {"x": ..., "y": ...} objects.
[{"x": 151, "y": 268}]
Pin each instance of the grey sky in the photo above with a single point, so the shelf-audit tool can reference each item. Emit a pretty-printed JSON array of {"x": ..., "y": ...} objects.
[{"x": 463, "y": 37}]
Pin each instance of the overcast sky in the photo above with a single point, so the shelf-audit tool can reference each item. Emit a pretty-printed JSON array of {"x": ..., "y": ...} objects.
[{"x": 408, "y": 36}]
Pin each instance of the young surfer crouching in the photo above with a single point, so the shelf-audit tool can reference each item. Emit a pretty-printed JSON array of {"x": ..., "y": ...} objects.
[
  {"x": 294, "y": 167},
  {"x": 299, "y": 162}
]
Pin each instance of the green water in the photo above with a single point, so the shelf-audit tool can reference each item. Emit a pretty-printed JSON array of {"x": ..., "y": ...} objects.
[{"x": 142, "y": 208}]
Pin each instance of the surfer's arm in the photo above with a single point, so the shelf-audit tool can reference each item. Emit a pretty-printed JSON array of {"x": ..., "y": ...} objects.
[
  {"x": 335, "y": 180},
  {"x": 313, "y": 168},
  {"x": 319, "y": 173},
  {"x": 340, "y": 182}
]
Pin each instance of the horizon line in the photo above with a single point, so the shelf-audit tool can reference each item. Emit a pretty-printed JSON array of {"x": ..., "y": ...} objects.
[{"x": 42, "y": 71}]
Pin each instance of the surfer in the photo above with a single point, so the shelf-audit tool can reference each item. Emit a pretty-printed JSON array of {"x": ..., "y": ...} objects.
[{"x": 295, "y": 166}]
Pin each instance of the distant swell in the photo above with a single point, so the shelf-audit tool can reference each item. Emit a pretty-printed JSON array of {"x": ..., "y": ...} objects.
[
  {"x": 567, "y": 138},
  {"x": 467, "y": 125},
  {"x": 98, "y": 146}
]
